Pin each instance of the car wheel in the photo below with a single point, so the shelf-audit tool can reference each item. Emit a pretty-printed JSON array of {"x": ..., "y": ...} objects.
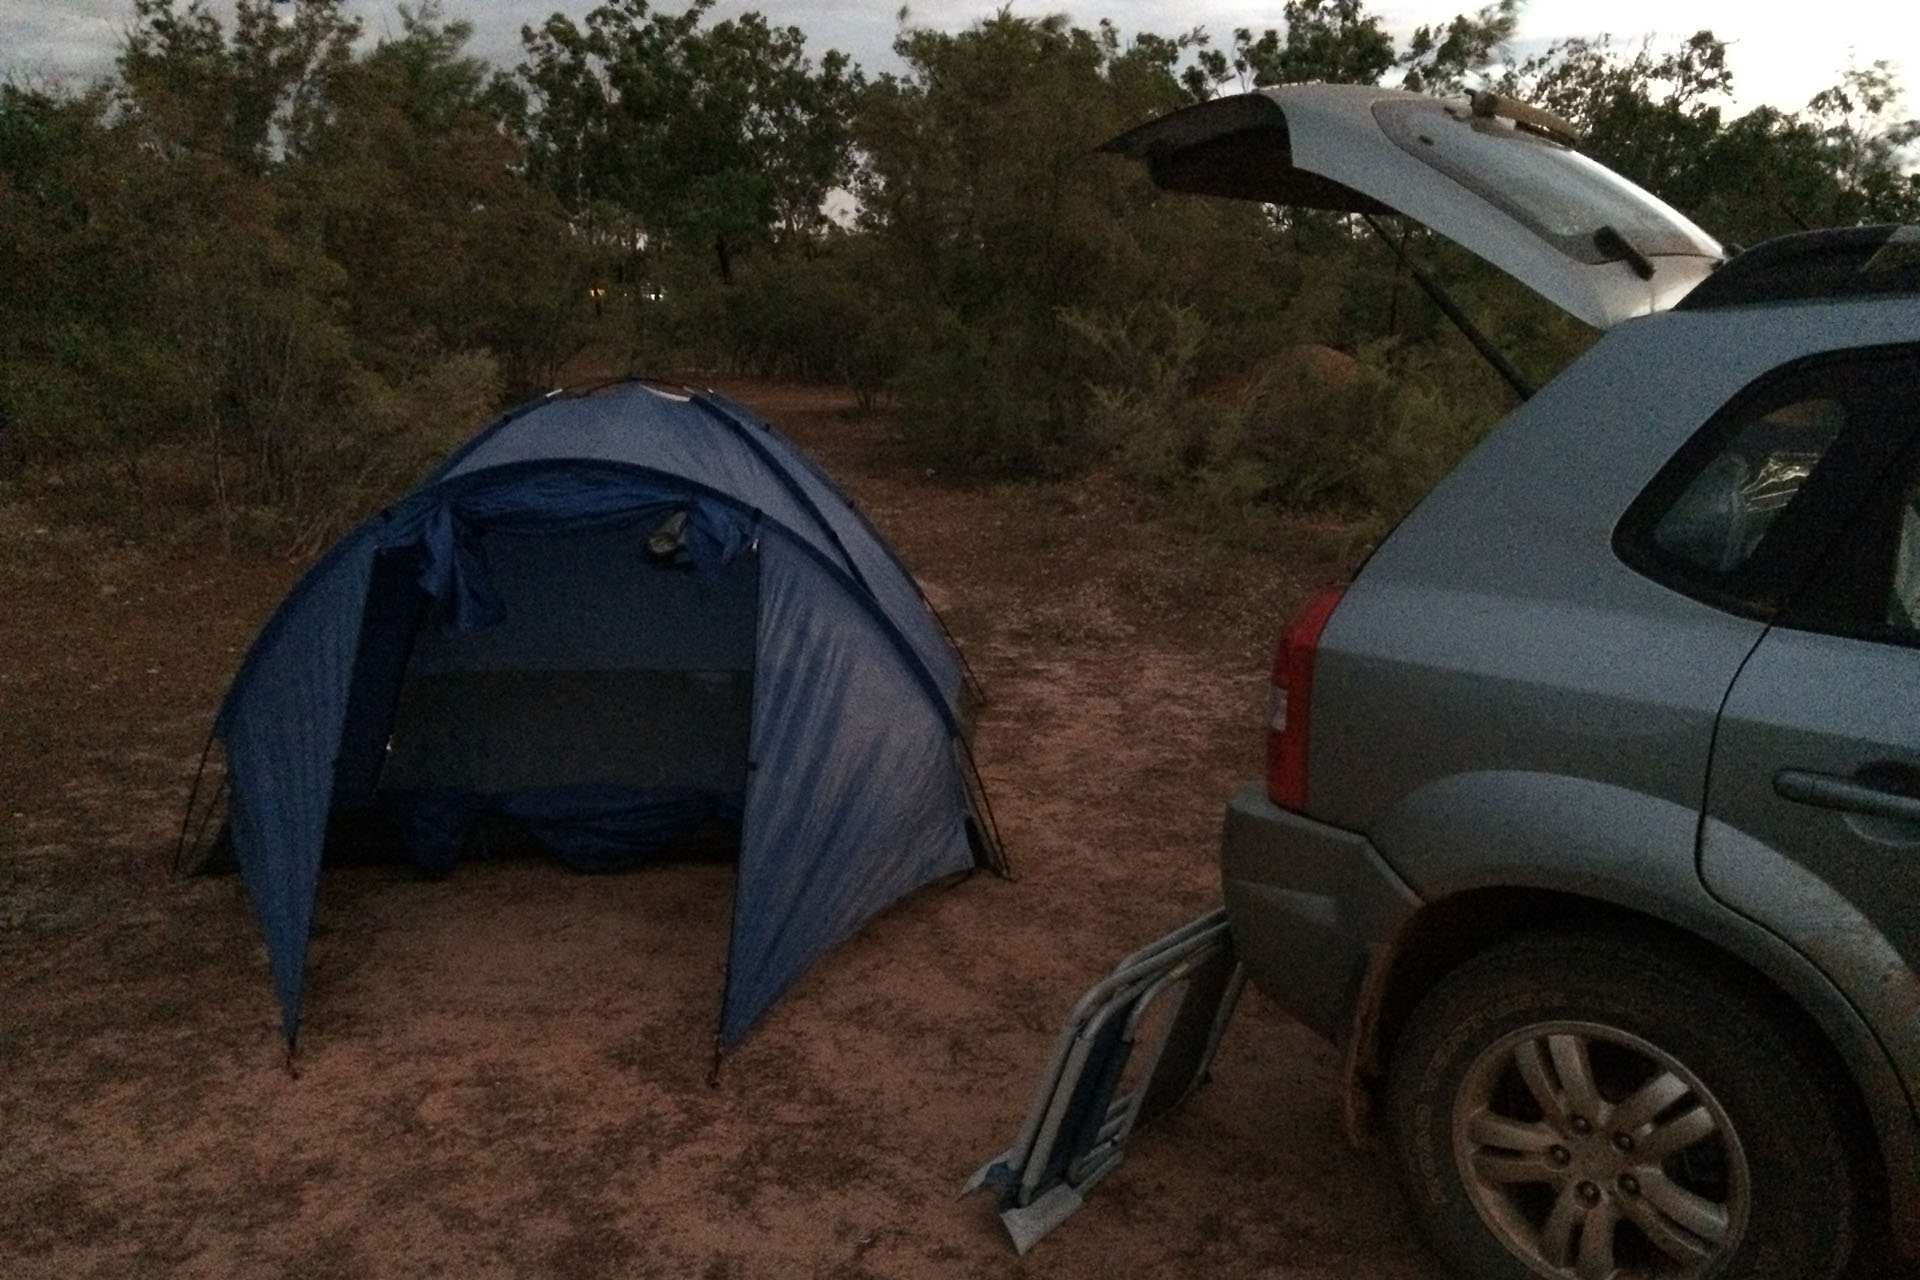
[{"x": 1600, "y": 1106}]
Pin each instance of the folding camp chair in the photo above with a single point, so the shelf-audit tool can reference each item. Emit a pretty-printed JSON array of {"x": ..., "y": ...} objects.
[{"x": 1136, "y": 1044}]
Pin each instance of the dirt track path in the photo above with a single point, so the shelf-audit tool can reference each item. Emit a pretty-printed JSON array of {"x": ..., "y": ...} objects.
[{"x": 503, "y": 1074}]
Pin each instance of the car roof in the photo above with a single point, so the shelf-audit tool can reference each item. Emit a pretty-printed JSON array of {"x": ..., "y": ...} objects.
[{"x": 1846, "y": 262}]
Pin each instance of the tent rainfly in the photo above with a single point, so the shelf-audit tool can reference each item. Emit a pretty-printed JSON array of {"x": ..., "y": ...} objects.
[{"x": 610, "y": 617}]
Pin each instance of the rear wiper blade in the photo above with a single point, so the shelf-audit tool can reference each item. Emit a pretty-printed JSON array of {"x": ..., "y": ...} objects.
[{"x": 1618, "y": 248}]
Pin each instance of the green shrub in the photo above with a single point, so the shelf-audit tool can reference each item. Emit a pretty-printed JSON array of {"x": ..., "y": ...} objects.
[
  {"x": 969, "y": 402},
  {"x": 1310, "y": 430}
]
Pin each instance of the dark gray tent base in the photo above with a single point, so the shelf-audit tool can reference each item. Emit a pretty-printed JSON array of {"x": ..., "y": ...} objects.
[
  {"x": 370, "y": 837},
  {"x": 1135, "y": 1045}
]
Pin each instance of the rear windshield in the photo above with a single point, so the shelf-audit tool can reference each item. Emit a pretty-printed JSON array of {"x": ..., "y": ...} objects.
[{"x": 1556, "y": 192}]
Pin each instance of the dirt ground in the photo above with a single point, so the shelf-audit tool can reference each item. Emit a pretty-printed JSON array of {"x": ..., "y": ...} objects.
[{"x": 504, "y": 1073}]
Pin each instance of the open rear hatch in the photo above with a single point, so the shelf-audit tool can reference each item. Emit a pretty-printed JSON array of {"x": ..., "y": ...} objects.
[{"x": 1497, "y": 177}]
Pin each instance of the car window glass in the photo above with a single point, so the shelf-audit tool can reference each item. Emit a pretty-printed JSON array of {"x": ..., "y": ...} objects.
[
  {"x": 1903, "y": 594},
  {"x": 1563, "y": 196},
  {"x": 1726, "y": 510}
]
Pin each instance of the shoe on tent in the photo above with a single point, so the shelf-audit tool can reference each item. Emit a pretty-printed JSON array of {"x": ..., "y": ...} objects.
[{"x": 612, "y": 617}]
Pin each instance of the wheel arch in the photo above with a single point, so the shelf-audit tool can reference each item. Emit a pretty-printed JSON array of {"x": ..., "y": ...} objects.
[{"x": 1452, "y": 930}]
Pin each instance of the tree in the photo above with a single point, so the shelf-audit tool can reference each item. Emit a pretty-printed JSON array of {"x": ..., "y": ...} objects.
[
  {"x": 1339, "y": 42},
  {"x": 1868, "y": 145},
  {"x": 414, "y": 188},
  {"x": 292, "y": 268},
  {"x": 1647, "y": 116},
  {"x": 1332, "y": 40},
  {"x": 1439, "y": 59},
  {"x": 71, "y": 299},
  {"x": 254, "y": 96},
  {"x": 726, "y": 136},
  {"x": 979, "y": 176},
  {"x": 1660, "y": 120}
]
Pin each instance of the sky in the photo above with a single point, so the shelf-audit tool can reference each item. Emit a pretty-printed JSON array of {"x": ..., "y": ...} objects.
[{"x": 1781, "y": 54}]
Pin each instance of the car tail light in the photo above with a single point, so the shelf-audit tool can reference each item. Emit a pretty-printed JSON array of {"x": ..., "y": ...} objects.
[{"x": 1292, "y": 700}]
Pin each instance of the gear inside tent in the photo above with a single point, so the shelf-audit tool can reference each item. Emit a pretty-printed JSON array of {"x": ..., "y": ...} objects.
[{"x": 610, "y": 618}]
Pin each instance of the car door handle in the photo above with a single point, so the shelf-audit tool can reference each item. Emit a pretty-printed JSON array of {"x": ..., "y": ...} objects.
[{"x": 1831, "y": 791}]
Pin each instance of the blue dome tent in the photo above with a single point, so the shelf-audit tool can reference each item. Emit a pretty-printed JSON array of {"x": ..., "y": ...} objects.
[{"x": 613, "y": 616}]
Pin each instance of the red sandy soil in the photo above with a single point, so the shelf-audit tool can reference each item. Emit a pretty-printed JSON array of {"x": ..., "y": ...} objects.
[{"x": 504, "y": 1073}]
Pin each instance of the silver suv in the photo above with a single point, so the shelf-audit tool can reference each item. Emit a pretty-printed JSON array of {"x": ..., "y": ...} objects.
[{"x": 1591, "y": 830}]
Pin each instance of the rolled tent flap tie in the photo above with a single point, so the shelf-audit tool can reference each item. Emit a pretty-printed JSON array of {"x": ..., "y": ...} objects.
[{"x": 612, "y": 618}]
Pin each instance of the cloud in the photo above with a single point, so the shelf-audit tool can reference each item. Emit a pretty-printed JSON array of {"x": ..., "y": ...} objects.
[
  {"x": 68, "y": 40},
  {"x": 74, "y": 40}
]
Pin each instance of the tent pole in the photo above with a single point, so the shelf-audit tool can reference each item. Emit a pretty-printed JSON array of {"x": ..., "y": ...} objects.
[
  {"x": 199, "y": 841},
  {"x": 193, "y": 798},
  {"x": 1000, "y": 864},
  {"x": 745, "y": 433},
  {"x": 733, "y": 914},
  {"x": 968, "y": 678}
]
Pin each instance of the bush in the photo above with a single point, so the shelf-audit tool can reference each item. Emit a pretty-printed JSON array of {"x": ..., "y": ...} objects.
[
  {"x": 1310, "y": 430},
  {"x": 969, "y": 402}
]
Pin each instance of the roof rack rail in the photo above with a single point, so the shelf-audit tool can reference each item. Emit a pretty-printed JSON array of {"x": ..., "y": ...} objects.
[{"x": 1845, "y": 262}]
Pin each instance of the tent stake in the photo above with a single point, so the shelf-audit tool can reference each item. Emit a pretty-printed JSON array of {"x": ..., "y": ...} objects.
[{"x": 713, "y": 1072}]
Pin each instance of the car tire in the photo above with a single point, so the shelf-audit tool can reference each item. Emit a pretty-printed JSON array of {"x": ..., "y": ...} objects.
[{"x": 1608, "y": 1105}]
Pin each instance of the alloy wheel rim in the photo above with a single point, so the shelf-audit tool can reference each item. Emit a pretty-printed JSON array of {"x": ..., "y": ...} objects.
[{"x": 1593, "y": 1154}]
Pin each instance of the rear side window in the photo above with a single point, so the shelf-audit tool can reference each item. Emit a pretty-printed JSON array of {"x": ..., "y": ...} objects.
[
  {"x": 1743, "y": 513},
  {"x": 1869, "y": 584},
  {"x": 1719, "y": 519},
  {"x": 1903, "y": 592}
]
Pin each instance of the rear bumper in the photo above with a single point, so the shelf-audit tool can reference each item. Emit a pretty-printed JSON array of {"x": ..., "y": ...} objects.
[{"x": 1310, "y": 906}]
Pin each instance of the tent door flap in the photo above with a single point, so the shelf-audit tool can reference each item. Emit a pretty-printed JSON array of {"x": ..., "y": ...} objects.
[{"x": 1136, "y": 1043}]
